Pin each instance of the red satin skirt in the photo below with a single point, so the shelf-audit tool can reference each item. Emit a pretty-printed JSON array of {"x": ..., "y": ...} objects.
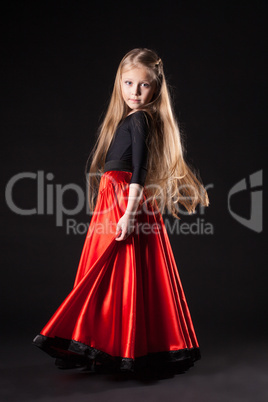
[{"x": 127, "y": 309}]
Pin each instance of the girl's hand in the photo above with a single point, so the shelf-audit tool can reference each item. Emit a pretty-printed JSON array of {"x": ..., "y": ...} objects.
[{"x": 125, "y": 225}]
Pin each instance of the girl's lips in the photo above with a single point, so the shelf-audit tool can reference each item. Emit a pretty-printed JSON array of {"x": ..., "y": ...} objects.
[{"x": 134, "y": 100}]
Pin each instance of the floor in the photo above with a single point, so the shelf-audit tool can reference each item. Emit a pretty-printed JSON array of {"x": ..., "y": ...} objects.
[{"x": 237, "y": 373}]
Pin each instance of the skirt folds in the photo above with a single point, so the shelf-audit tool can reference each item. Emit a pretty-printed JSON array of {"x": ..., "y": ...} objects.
[{"x": 127, "y": 309}]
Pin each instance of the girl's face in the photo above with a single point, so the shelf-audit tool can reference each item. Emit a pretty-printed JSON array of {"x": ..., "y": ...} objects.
[{"x": 137, "y": 87}]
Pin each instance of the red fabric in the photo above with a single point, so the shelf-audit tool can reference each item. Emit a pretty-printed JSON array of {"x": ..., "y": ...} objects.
[{"x": 127, "y": 298}]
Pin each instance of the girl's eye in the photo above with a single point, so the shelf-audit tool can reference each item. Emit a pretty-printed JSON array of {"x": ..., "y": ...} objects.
[{"x": 144, "y": 84}]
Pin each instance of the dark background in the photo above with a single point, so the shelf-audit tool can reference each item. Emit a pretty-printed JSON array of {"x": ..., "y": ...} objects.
[{"x": 58, "y": 63}]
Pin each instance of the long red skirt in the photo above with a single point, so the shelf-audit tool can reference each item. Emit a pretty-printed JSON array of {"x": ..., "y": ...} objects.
[{"x": 127, "y": 309}]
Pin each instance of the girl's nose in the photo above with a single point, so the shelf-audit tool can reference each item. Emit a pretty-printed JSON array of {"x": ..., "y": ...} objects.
[{"x": 136, "y": 90}]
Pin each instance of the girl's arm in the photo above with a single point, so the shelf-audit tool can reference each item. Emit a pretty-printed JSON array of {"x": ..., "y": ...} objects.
[
  {"x": 139, "y": 130},
  {"x": 126, "y": 223},
  {"x": 134, "y": 197}
]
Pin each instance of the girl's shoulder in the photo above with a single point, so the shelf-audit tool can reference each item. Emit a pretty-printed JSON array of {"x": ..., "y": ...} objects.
[{"x": 140, "y": 116}]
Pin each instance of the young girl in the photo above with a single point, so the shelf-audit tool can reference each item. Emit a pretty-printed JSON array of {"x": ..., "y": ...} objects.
[{"x": 127, "y": 310}]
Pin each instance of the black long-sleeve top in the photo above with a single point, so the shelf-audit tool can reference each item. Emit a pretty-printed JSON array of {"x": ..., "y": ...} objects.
[{"x": 129, "y": 144}]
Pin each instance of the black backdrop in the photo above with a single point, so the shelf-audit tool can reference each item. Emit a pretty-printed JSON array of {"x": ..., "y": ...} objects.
[{"x": 58, "y": 63}]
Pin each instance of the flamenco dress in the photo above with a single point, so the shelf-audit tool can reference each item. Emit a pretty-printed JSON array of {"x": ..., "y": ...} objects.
[{"x": 127, "y": 310}]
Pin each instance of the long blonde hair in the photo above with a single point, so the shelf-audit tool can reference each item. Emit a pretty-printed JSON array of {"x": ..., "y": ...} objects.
[{"x": 169, "y": 178}]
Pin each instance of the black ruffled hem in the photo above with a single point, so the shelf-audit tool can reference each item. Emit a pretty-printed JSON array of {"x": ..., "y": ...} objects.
[{"x": 71, "y": 354}]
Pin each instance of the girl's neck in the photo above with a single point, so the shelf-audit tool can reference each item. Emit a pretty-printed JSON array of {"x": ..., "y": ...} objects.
[{"x": 131, "y": 112}]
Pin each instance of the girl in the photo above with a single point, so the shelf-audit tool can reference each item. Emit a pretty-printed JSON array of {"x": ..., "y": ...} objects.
[{"x": 127, "y": 310}]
